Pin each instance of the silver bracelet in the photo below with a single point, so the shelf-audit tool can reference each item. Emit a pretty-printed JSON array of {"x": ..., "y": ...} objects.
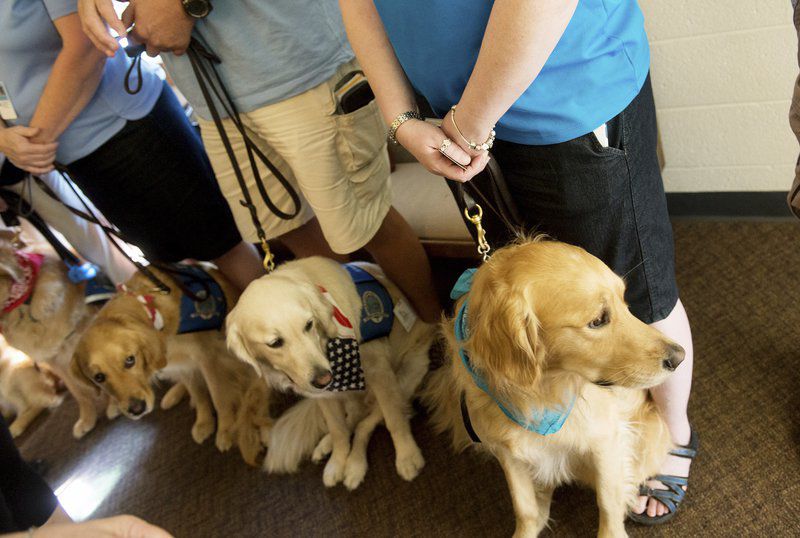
[
  {"x": 486, "y": 145},
  {"x": 400, "y": 120}
]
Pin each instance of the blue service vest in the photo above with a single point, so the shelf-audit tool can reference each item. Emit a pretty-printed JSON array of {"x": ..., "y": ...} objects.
[{"x": 377, "y": 308}]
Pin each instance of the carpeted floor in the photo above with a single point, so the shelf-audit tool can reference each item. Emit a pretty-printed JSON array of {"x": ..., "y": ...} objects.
[{"x": 740, "y": 283}]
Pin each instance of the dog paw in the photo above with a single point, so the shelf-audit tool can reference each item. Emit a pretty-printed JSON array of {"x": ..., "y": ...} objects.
[
  {"x": 323, "y": 449},
  {"x": 16, "y": 430},
  {"x": 409, "y": 464},
  {"x": 112, "y": 411},
  {"x": 173, "y": 397},
  {"x": 333, "y": 473},
  {"x": 82, "y": 427},
  {"x": 202, "y": 430},
  {"x": 224, "y": 440},
  {"x": 354, "y": 472}
]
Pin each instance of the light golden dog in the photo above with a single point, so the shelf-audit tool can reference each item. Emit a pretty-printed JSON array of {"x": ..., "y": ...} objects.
[
  {"x": 547, "y": 322},
  {"x": 48, "y": 326},
  {"x": 121, "y": 353},
  {"x": 26, "y": 389},
  {"x": 281, "y": 326}
]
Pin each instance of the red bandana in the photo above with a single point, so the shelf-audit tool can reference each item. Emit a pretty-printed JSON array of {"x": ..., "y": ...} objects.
[{"x": 21, "y": 290}]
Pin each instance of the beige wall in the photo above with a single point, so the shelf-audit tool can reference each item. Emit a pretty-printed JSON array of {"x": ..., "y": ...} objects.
[{"x": 723, "y": 72}]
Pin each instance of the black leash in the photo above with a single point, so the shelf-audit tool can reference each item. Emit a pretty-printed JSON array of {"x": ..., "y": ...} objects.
[
  {"x": 203, "y": 63},
  {"x": 466, "y": 420},
  {"x": 19, "y": 207}
]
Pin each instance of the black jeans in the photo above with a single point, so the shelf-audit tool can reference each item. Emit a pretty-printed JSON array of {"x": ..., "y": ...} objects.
[{"x": 608, "y": 200}]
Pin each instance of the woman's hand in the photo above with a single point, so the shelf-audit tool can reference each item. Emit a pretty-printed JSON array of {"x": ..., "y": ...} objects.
[
  {"x": 468, "y": 129},
  {"x": 423, "y": 140},
  {"x": 95, "y": 15},
  {"x": 33, "y": 157},
  {"x": 113, "y": 527}
]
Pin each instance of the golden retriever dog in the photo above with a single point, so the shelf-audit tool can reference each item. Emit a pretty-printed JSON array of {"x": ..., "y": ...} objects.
[
  {"x": 546, "y": 325},
  {"x": 282, "y": 326},
  {"x": 48, "y": 325},
  {"x": 125, "y": 348},
  {"x": 26, "y": 389}
]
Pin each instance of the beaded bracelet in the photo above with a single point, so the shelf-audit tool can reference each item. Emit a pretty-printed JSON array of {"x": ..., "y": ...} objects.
[
  {"x": 475, "y": 146},
  {"x": 400, "y": 120}
]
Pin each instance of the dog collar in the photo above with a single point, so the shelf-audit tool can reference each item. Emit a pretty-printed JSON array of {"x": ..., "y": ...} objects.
[
  {"x": 343, "y": 352},
  {"x": 149, "y": 304},
  {"x": 544, "y": 422},
  {"x": 21, "y": 290}
]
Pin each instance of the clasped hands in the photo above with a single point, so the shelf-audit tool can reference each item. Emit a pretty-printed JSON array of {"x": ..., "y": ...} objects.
[{"x": 423, "y": 140}]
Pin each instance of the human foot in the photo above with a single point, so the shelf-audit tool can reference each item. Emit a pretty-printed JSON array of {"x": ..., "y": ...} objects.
[{"x": 662, "y": 495}]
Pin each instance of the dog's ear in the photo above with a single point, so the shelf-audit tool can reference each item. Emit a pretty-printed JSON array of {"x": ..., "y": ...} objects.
[
  {"x": 77, "y": 371},
  {"x": 323, "y": 312},
  {"x": 504, "y": 332},
  {"x": 236, "y": 342},
  {"x": 153, "y": 348}
]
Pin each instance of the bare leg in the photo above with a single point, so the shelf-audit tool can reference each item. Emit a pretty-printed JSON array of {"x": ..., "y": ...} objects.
[
  {"x": 307, "y": 240},
  {"x": 241, "y": 265},
  {"x": 398, "y": 251},
  {"x": 672, "y": 399}
]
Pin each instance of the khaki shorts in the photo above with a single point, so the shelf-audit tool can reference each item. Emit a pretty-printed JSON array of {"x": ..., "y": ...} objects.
[{"x": 337, "y": 163}]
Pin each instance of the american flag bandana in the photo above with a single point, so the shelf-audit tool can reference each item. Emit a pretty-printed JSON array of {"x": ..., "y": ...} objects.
[{"x": 343, "y": 353}]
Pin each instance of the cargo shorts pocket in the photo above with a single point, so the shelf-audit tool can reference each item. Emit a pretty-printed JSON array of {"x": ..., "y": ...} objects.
[{"x": 361, "y": 135}]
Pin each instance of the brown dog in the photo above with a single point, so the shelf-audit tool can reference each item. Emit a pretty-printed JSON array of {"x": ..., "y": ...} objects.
[
  {"x": 126, "y": 347},
  {"x": 49, "y": 323},
  {"x": 548, "y": 328}
]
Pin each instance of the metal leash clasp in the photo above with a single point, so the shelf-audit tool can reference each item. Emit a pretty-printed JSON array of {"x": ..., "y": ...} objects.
[
  {"x": 269, "y": 257},
  {"x": 475, "y": 219}
]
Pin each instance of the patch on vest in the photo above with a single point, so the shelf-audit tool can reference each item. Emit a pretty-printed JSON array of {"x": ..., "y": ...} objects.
[
  {"x": 208, "y": 312},
  {"x": 377, "y": 308}
]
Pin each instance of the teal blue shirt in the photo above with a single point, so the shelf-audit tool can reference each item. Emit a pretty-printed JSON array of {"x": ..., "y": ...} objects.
[
  {"x": 270, "y": 50},
  {"x": 597, "y": 68},
  {"x": 30, "y": 44}
]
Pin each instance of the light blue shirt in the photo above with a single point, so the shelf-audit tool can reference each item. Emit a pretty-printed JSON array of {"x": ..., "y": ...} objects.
[
  {"x": 270, "y": 50},
  {"x": 597, "y": 68},
  {"x": 29, "y": 45}
]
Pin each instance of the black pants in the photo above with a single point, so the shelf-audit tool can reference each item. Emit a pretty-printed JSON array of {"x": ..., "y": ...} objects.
[
  {"x": 154, "y": 181},
  {"x": 608, "y": 200},
  {"x": 25, "y": 499}
]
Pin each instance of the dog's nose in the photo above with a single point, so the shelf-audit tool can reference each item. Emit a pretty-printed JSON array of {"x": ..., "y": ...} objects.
[
  {"x": 675, "y": 356},
  {"x": 136, "y": 407},
  {"x": 322, "y": 378}
]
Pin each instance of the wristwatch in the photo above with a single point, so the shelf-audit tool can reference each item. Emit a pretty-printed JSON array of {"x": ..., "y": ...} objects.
[{"x": 199, "y": 9}]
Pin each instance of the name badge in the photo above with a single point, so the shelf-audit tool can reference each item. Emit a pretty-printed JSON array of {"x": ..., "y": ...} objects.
[{"x": 7, "y": 111}]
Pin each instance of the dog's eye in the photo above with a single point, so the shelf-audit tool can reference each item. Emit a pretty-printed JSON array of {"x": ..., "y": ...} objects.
[
  {"x": 309, "y": 325},
  {"x": 99, "y": 377},
  {"x": 600, "y": 321},
  {"x": 278, "y": 342},
  {"x": 130, "y": 360}
]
